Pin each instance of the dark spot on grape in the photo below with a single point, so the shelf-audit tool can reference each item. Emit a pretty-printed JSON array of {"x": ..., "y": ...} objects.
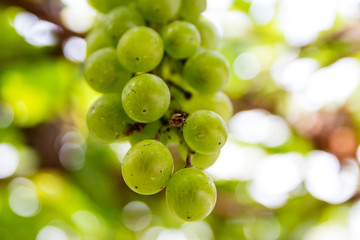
[
  {"x": 130, "y": 174},
  {"x": 188, "y": 217},
  {"x": 133, "y": 90},
  {"x": 157, "y": 9},
  {"x": 137, "y": 59},
  {"x": 147, "y": 144},
  {"x": 91, "y": 80},
  {"x": 169, "y": 137},
  {"x": 219, "y": 143},
  {"x": 144, "y": 110},
  {"x": 142, "y": 152},
  {"x": 161, "y": 171},
  {"x": 136, "y": 187}
]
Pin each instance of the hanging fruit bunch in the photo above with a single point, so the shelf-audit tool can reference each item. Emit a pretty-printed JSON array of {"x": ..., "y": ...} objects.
[{"x": 161, "y": 77}]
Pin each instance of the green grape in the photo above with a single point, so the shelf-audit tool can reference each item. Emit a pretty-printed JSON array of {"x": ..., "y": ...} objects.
[
  {"x": 147, "y": 167},
  {"x": 218, "y": 102},
  {"x": 146, "y": 98},
  {"x": 98, "y": 21},
  {"x": 140, "y": 49},
  {"x": 181, "y": 39},
  {"x": 191, "y": 9},
  {"x": 106, "y": 118},
  {"x": 96, "y": 40},
  {"x": 205, "y": 131},
  {"x": 106, "y": 5},
  {"x": 104, "y": 73},
  {"x": 210, "y": 37},
  {"x": 203, "y": 161},
  {"x": 119, "y": 20},
  {"x": 159, "y": 10},
  {"x": 150, "y": 130},
  {"x": 198, "y": 160},
  {"x": 191, "y": 194},
  {"x": 207, "y": 72},
  {"x": 169, "y": 136}
]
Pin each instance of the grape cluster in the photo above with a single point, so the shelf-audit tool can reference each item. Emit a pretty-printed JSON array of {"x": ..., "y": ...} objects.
[{"x": 161, "y": 77}]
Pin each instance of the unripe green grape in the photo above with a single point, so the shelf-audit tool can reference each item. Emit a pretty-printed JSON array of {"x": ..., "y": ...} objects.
[
  {"x": 147, "y": 167},
  {"x": 106, "y": 118},
  {"x": 210, "y": 36},
  {"x": 96, "y": 40},
  {"x": 181, "y": 39},
  {"x": 149, "y": 132},
  {"x": 191, "y": 9},
  {"x": 146, "y": 98},
  {"x": 198, "y": 160},
  {"x": 119, "y": 20},
  {"x": 191, "y": 194},
  {"x": 104, "y": 73},
  {"x": 205, "y": 131},
  {"x": 159, "y": 10},
  {"x": 106, "y": 5},
  {"x": 207, "y": 72},
  {"x": 203, "y": 161},
  {"x": 140, "y": 49},
  {"x": 218, "y": 102}
]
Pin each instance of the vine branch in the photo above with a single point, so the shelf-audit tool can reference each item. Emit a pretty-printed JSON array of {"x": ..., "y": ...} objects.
[{"x": 47, "y": 10}]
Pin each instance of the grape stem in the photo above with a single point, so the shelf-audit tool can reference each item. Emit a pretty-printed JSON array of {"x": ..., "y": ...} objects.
[
  {"x": 178, "y": 119},
  {"x": 189, "y": 160},
  {"x": 131, "y": 129}
]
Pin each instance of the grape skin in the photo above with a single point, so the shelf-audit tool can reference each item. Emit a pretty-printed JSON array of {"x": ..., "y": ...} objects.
[
  {"x": 106, "y": 118},
  {"x": 147, "y": 167},
  {"x": 104, "y": 73},
  {"x": 203, "y": 161},
  {"x": 106, "y": 5},
  {"x": 96, "y": 40},
  {"x": 138, "y": 55},
  {"x": 210, "y": 36},
  {"x": 207, "y": 72},
  {"x": 181, "y": 39},
  {"x": 146, "y": 98},
  {"x": 205, "y": 131},
  {"x": 191, "y": 9},
  {"x": 191, "y": 194},
  {"x": 119, "y": 20},
  {"x": 149, "y": 132},
  {"x": 159, "y": 10},
  {"x": 218, "y": 102},
  {"x": 198, "y": 160}
]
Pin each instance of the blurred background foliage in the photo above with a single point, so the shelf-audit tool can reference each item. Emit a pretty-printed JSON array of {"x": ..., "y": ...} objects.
[{"x": 290, "y": 169}]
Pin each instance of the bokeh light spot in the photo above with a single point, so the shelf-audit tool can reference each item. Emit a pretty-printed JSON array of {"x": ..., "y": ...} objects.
[{"x": 9, "y": 160}]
